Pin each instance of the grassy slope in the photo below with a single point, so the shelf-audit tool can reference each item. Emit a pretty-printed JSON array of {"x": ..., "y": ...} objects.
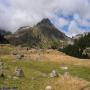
[{"x": 36, "y": 64}]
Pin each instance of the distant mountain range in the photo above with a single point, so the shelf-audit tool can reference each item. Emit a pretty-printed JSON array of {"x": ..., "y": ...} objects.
[
  {"x": 44, "y": 34},
  {"x": 80, "y": 35}
]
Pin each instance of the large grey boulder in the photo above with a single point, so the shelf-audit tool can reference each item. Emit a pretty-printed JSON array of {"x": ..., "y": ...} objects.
[{"x": 54, "y": 73}]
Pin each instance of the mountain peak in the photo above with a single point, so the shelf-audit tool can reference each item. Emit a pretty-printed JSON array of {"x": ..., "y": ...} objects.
[
  {"x": 45, "y": 21},
  {"x": 42, "y": 35}
]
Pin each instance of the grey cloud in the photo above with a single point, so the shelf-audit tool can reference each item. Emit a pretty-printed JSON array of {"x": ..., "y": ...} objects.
[{"x": 29, "y": 12}]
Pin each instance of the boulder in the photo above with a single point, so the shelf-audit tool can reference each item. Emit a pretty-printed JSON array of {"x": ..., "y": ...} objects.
[
  {"x": 19, "y": 72},
  {"x": 48, "y": 88},
  {"x": 54, "y": 73}
]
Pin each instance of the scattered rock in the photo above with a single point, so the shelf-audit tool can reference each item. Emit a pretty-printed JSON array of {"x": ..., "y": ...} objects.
[
  {"x": 22, "y": 55},
  {"x": 54, "y": 73},
  {"x": 48, "y": 88},
  {"x": 64, "y": 68},
  {"x": 27, "y": 49},
  {"x": 19, "y": 56},
  {"x": 2, "y": 75},
  {"x": 14, "y": 53},
  {"x": 15, "y": 78},
  {"x": 19, "y": 72}
]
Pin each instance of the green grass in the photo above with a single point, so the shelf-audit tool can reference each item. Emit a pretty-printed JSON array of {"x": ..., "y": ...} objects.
[{"x": 82, "y": 72}]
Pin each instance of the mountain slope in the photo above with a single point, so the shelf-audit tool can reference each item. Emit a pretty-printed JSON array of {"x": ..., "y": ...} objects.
[{"x": 41, "y": 35}]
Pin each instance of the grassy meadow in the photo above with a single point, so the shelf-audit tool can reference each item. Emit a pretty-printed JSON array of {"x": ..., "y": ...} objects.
[{"x": 37, "y": 66}]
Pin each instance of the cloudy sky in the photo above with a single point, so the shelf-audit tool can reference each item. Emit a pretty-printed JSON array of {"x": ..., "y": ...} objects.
[{"x": 69, "y": 16}]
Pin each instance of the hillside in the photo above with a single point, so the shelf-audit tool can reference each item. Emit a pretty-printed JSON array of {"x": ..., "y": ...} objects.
[{"x": 42, "y": 35}]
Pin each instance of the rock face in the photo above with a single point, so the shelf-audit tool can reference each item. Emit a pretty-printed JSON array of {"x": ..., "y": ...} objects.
[
  {"x": 19, "y": 72},
  {"x": 44, "y": 34},
  {"x": 54, "y": 73}
]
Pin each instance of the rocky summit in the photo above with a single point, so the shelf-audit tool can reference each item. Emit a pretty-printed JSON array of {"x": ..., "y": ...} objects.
[{"x": 42, "y": 35}]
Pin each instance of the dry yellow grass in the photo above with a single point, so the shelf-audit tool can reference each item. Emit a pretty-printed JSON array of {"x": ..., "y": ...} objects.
[
  {"x": 71, "y": 83},
  {"x": 48, "y": 55},
  {"x": 54, "y": 56}
]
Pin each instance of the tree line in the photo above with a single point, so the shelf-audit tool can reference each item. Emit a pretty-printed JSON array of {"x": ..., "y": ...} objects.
[{"x": 78, "y": 47}]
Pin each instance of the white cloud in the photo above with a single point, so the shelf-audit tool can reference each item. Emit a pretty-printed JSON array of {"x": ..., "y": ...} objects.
[
  {"x": 74, "y": 29},
  {"x": 29, "y": 12},
  {"x": 62, "y": 22}
]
